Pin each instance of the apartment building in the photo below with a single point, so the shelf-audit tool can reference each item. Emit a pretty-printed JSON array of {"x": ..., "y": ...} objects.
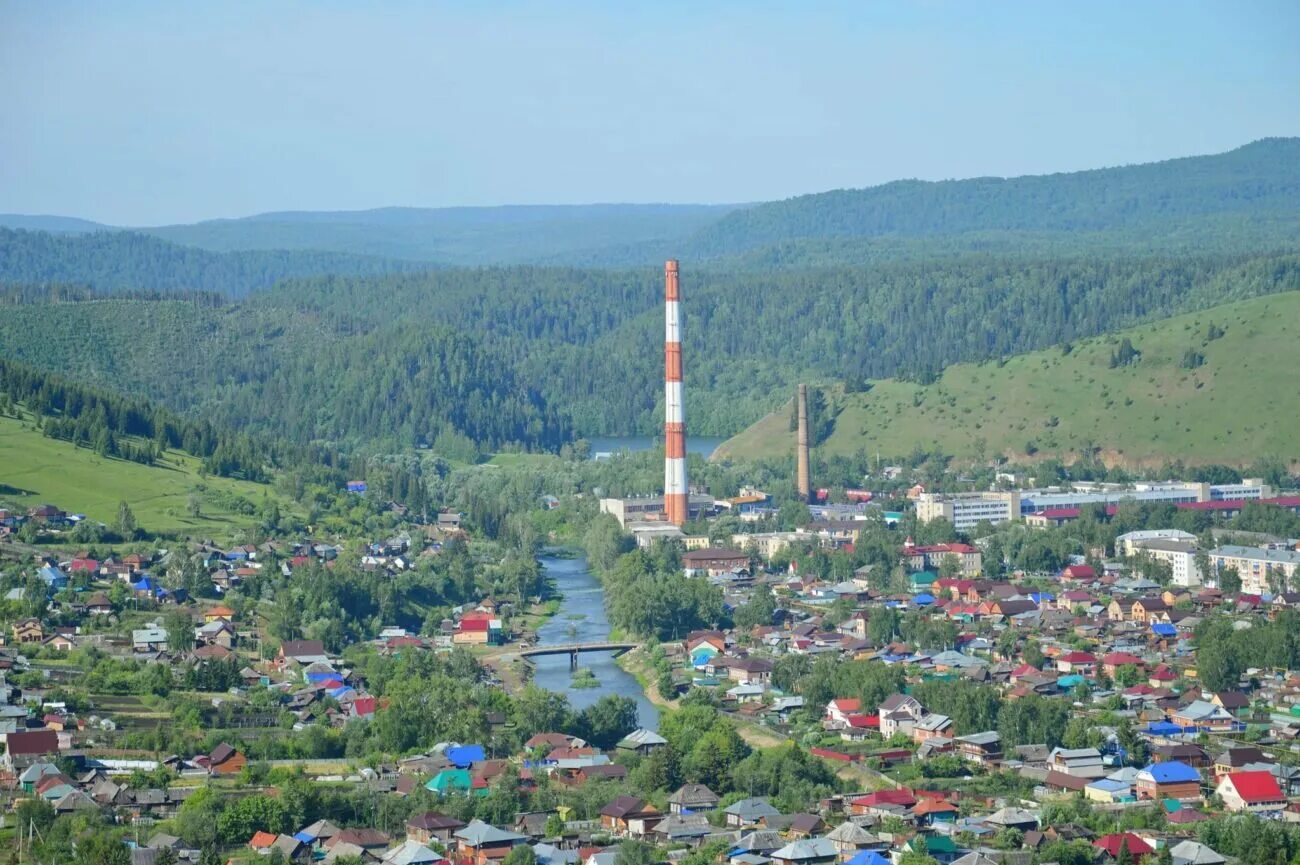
[
  {"x": 1255, "y": 566},
  {"x": 1180, "y": 555}
]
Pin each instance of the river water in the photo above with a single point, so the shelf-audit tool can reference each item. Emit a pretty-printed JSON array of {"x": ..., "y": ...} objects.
[
  {"x": 702, "y": 445},
  {"x": 581, "y": 619}
]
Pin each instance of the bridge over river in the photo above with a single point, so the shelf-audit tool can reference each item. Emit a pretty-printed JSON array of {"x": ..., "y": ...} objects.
[{"x": 575, "y": 649}]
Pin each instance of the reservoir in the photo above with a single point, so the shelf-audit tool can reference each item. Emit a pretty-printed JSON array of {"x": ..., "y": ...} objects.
[
  {"x": 581, "y": 619},
  {"x": 702, "y": 445}
]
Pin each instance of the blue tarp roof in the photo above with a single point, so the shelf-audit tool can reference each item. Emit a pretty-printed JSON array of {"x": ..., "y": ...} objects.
[
  {"x": 466, "y": 755},
  {"x": 868, "y": 857},
  {"x": 1163, "y": 728},
  {"x": 305, "y": 837},
  {"x": 1163, "y": 629},
  {"x": 923, "y": 599}
]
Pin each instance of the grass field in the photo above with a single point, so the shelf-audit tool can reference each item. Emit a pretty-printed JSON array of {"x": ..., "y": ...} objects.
[
  {"x": 44, "y": 470},
  {"x": 1241, "y": 403}
]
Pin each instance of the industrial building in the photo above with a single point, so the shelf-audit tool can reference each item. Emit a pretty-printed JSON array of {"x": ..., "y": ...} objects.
[
  {"x": 650, "y": 509},
  {"x": 966, "y": 510}
]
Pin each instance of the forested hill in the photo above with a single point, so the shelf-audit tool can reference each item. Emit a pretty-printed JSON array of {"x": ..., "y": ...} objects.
[
  {"x": 464, "y": 235},
  {"x": 111, "y": 261},
  {"x": 57, "y": 224},
  {"x": 1247, "y": 199},
  {"x": 537, "y": 355},
  {"x": 1213, "y": 386},
  {"x": 1261, "y": 180}
]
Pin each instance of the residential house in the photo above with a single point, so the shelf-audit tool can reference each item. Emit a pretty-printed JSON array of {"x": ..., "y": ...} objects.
[
  {"x": 1234, "y": 759},
  {"x": 1189, "y": 852},
  {"x": 931, "y": 726},
  {"x": 629, "y": 816},
  {"x": 982, "y": 748},
  {"x": 303, "y": 652},
  {"x": 1012, "y": 818},
  {"x": 692, "y": 798},
  {"x": 838, "y": 712},
  {"x": 28, "y": 631},
  {"x": 482, "y": 843},
  {"x": 431, "y": 826},
  {"x": 1077, "y": 762},
  {"x": 899, "y": 714},
  {"x": 1112, "y": 844},
  {"x": 1203, "y": 715},
  {"x": 1251, "y": 791},
  {"x": 22, "y": 749},
  {"x": 1169, "y": 780},
  {"x": 849, "y": 838},
  {"x": 1077, "y": 663},
  {"x": 806, "y": 851},
  {"x": 642, "y": 741},
  {"x": 749, "y": 812},
  {"x": 225, "y": 760}
]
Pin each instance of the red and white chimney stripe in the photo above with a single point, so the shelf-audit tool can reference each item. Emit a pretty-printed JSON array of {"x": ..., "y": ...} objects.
[{"x": 675, "y": 501}]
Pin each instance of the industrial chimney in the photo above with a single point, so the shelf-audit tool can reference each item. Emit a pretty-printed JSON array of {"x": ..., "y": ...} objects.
[
  {"x": 675, "y": 492},
  {"x": 801, "y": 448}
]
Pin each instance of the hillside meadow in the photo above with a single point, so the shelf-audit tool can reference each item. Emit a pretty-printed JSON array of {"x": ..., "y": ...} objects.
[
  {"x": 38, "y": 470},
  {"x": 1190, "y": 393}
]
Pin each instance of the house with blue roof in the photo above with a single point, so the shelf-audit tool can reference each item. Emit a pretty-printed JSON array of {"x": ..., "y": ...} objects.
[
  {"x": 54, "y": 578},
  {"x": 464, "y": 756},
  {"x": 1169, "y": 780}
]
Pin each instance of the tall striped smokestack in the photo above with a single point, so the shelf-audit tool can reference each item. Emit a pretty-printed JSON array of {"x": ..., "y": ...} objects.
[
  {"x": 675, "y": 502},
  {"x": 801, "y": 454}
]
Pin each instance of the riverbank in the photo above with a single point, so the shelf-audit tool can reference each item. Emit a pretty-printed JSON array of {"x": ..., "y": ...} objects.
[{"x": 637, "y": 664}]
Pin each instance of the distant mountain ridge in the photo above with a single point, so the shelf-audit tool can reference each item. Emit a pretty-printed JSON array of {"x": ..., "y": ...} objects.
[
  {"x": 53, "y": 224},
  {"x": 110, "y": 261},
  {"x": 1251, "y": 192},
  {"x": 1259, "y": 178}
]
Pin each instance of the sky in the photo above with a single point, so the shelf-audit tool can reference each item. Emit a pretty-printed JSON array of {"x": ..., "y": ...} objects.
[{"x": 136, "y": 113}]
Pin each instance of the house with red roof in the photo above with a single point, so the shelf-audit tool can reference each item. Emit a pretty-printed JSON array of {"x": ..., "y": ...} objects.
[
  {"x": 1112, "y": 844},
  {"x": 1081, "y": 663},
  {"x": 1112, "y": 661},
  {"x": 478, "y": 629},
  {"x": 860, "y": 727},
  {"x": 838, "y": 711},
  {"x": 1079, "y": 573},
  {"x": 261, "y": 841},
  {"x": 1161, "y": 676},
  {"x": 26, "y": 747},
  {"x": 883, "y": 802},
  {"x": 1251, "y": 791}
]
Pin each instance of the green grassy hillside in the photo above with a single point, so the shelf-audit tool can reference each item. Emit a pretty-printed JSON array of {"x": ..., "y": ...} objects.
[
  {"x": 1242, "y": 400},
  {"x": 36, "y": 470}
]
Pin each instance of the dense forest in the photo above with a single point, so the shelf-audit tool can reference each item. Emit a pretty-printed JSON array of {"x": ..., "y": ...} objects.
[
  {"x": 122, "y": 260},
  {"x": 901, "y": 280},
  {"x": 129, "y": 428},
  {"x": 1259, "y": 178},
  {"x": 538, "y": 355}
]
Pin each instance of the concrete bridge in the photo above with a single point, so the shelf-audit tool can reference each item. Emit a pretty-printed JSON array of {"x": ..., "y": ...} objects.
[{"x": 575, "y": 649}]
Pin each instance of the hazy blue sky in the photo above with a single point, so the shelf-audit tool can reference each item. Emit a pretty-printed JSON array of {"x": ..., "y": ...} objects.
[{"x": 142, "y": 113}]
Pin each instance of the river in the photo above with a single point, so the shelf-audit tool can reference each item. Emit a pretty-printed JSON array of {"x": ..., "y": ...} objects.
[
  {"x": 702, "y": 445},
  {"x": 581, "y": 619}
]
